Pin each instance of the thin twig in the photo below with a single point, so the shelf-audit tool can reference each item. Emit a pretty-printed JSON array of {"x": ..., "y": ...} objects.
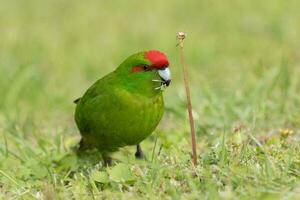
[{"x": 180, "y": 37}]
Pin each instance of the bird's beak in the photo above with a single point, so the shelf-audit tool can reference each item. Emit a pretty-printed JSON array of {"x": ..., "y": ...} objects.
[{"x": 165, "y": 74}]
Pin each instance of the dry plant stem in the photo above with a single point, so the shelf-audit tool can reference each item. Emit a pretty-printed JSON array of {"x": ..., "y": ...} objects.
[{"x": 181, "y": 37}]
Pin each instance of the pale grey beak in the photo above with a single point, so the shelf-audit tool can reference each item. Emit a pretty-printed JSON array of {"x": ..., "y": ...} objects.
[{"x": 165, "y": 74}]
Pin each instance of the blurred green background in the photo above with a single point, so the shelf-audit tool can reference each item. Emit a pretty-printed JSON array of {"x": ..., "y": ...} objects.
[
  {"x": 243, "y": 58},
  {"x": 51, "y": 51}
]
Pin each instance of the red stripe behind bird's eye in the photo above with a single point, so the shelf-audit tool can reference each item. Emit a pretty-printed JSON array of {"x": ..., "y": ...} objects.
[{"x": 137, "y": 69}]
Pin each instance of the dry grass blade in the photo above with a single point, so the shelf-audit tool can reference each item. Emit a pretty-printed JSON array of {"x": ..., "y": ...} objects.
[{"x": 181, "y": 37}]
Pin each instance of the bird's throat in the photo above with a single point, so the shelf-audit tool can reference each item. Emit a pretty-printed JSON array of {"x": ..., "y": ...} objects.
[{"x": 142, "y": 83}]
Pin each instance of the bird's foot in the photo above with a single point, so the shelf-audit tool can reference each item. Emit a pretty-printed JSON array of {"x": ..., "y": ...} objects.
[
  {"x": 107, "y": 160},
  {"x": 139, "y": 154}
]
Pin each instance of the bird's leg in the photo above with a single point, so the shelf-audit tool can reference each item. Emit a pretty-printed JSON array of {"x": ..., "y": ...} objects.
[
  {"x": 139, "y": 154},
  {"x": 82, "y": 145},
  {"x": 106, "y": 159}
]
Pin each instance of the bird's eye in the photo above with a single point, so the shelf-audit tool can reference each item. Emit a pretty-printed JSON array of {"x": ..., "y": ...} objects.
[
  {"x": 140, "y": 68},
  {"x": 145, "y": 67}
]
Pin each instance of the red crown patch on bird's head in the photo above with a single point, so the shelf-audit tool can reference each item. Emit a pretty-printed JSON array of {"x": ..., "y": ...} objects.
[{"x": 158, "y": 59}]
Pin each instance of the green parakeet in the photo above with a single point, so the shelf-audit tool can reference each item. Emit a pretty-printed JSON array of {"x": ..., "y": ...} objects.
[{"x": 125, "y": 106}]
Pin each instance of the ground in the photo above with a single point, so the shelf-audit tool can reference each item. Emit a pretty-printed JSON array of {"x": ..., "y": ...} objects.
[{"x": 244, "y": 63}]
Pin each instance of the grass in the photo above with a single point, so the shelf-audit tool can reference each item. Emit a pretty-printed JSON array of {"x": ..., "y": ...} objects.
[{"x": 243, "y": 58}]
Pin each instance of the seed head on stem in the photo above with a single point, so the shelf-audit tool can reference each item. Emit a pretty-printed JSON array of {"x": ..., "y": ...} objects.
[{"x": 180, "y": 37}]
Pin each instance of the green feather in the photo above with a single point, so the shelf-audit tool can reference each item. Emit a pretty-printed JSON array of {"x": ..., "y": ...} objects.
[{"x": 120, "y": 109}]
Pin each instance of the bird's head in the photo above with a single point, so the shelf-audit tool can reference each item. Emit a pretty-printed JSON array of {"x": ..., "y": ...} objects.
[{"x": 151, "y": 65}]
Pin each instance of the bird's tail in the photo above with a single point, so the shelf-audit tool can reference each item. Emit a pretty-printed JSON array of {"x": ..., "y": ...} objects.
[{"x": 77, "y": 100}]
